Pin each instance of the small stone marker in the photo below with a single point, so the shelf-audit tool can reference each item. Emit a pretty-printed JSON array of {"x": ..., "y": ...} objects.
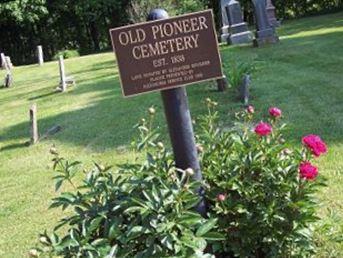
[
  {"x": 7, "y": 65},
  {"x": 271, "y": 14},
  {"x": 265, "y": 33},
  {"x": 8, "y": 62},
  {"x": 63, "y": 84},
  {"x": 40, "y": 55},
  {"x": 239, "y": 33},
  {"x": 33, "y": 124},
  {"x": 244, "y": 89},
  {"x": 224, "y": 31},
  {"x": 64, "y": 80}
]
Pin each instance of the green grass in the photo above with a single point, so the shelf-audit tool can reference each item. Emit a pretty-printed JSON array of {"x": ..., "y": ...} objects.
[{"x": 302, "y": 75}]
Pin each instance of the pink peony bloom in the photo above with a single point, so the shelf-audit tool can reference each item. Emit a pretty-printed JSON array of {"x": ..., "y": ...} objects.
[
  {"x": 263, "y": 129},
  {"x": 275, "y": 112},
  {"x": 315, "y": 144},
  {"x": 308, "y": 171},
  {"x": 221, "y": 197},
  {"x": 250, "y": 109}
]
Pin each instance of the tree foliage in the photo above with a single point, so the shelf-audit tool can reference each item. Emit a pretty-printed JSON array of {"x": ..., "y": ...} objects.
[{"x": 84, "y": 24}]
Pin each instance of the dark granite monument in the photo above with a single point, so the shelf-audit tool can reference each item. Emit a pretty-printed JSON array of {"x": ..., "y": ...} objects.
[
  {"x": 265, "y": 33},
  {"x": 224, "y": 31},
  {"x": 271, "y": 14},
  {"x": 239, "y": 32}
]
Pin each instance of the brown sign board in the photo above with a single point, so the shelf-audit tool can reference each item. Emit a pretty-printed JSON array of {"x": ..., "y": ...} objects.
[{"x": 168, "y": 53}]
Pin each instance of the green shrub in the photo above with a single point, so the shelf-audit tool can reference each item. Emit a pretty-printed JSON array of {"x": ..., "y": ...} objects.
[
  {"x": 263, "y": 206},
  {"x": 141, "y": 210},
  {"x": 66, "y": 54},
  {"x": 236, "y": 71},
  {"x": 259, "y": 194}
]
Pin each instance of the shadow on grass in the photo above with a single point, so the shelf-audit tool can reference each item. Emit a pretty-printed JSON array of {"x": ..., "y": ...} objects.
[
  {"x": 15, "y": 146},
  {"x": 107, "y": 121},
  {"x": 44, "y": 95}
]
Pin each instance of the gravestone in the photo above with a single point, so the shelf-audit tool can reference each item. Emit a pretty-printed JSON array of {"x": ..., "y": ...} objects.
[
  {"x": 224, "y": 31},
  {"x": 239, "y": 32},
  {"x": 265, "y": 33},
  {"x": 33, "y": 124},
  {"x": 40, "y": 55},
  {"x": 271, "y": 14},
  {"x": 7, "y": 65},
  {"x": 64, "y": 80},
  {"x": 8, "y": 62},
  {"x": 244, "y": 89},
  {"x": 63, "y": 84}
]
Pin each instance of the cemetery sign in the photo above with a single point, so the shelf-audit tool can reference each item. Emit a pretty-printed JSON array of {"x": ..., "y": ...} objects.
[{"x": 167, "y": 53}]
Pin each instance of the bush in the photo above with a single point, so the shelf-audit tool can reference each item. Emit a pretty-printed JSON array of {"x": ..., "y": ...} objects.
[
  {"x": 142, "y": 210},
  {"x": 236, "y": 72},
  {"x": 66, "y": 54},
  {"x": 259, "y": 195},
  {"x": 263, "y": 205}
]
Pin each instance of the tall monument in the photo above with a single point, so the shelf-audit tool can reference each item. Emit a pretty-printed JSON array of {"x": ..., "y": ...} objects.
[
  {"x": 239, "y": 32},
  {"x": 265, "y": 33},
  {"x": 224, "y": 31},
  {"x": 271, "y": 14}
]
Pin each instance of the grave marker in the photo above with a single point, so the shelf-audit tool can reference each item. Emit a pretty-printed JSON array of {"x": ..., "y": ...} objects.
[
  {"x": 239, "y": 32},
  {"x": 33, "y": 124},
  {"x": 265, "y": 33},
  {"x": 63, "y": 84},
  {"x": 8, "y": 62},
  {"x": 271, "y": 14},
  {"x": 224, "y": 31},
  {"x": 40, "y": 55},
  {"x": 168, "y": 53}
]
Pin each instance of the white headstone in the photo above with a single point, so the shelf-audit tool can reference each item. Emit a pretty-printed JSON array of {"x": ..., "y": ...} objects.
[
  {"x": 40, "y": 55},
  {"x": 63, "y": 84}
]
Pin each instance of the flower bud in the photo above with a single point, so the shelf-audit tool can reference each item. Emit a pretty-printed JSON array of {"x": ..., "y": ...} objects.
[
  {"x": 53, "y": 151},
  {"x": 143, "y": 120},
  {"x": 33, "y": 253},
  {"x": 200, "y": 149},
  {"x": 221, "y": 197},
  {"x": 208, "y": 100},
  {"x": 214, "y": 103},
  {"x": 101, "y": 167},
  {"x": 189, "y": 172},
  {"x": 287, "y": 151},
  {"x": 151, "y": 111},
  {"x": 44, "y": 240},
  {"x": 250, "y": 109},
  {"x": 160, "y": 145}
]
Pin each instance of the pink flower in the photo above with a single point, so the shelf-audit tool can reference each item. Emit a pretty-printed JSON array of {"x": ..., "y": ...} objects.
[
  {"x": 263, "y": 129},
  {"x": 308, "y": 171},
  {"x": 315, "y": 144},
  {"x": 221, "y": 197},
  {"x": 275, "y": 112},
  {"x": 250, "y": 109}
]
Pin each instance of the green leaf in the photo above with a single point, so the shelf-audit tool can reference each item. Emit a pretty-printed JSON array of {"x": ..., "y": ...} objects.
[
  {"x": 214, "y": 236},
  {"x": 203, "y": 229}
]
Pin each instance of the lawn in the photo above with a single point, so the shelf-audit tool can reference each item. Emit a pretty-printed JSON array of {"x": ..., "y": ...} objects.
[{"x": 302, "y": 75}]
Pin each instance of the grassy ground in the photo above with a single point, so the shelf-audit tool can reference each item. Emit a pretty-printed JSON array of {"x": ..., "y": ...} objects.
[{"x": 302, "y": 75}]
